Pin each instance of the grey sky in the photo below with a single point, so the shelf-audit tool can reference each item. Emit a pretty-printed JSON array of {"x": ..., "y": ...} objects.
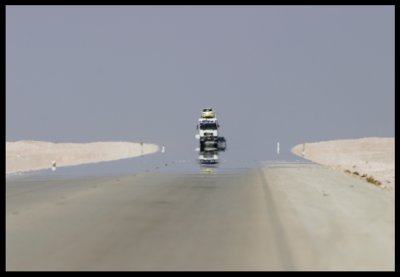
[{"x": 272, "y": 73}]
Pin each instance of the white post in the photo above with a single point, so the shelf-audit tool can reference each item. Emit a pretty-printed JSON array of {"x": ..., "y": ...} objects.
[{"x": 277, "y": 148}]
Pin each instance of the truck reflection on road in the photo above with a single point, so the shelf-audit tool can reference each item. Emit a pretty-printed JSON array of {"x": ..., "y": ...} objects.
[
  {"x": 208, "y": 157},
  {"x": 208, "y": 170}
]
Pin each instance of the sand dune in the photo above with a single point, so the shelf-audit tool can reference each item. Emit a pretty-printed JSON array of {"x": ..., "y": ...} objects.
[
  {"x": 365, "y": 156},
  {"x": 34, "y": 155}
]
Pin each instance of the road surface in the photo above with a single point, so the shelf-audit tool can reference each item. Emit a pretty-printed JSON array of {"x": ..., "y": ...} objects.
[{"x": 276, "y": 217}]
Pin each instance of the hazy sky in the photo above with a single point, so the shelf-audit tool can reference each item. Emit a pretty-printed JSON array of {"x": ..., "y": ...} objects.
[{"x": 291, "y": 74}]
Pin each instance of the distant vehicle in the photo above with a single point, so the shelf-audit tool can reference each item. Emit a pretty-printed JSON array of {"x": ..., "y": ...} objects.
[
  {"x": 208, "y": 113},
  {"x": 209, "y": 137},
  {"x": 208, "y": 128}
]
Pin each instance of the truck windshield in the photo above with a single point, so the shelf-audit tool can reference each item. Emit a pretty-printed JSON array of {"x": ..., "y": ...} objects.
[{"x": 208, "y": 126}]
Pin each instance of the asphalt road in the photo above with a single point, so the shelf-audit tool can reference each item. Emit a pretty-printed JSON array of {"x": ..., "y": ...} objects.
[{"x": 284, "y": 217}]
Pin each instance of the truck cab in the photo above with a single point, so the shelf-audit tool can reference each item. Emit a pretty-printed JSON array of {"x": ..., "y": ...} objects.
[{"x": 208, "y": 127}]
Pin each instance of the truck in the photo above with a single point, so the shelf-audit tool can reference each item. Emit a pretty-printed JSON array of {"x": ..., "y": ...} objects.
[{"x": 210, "y": 139}]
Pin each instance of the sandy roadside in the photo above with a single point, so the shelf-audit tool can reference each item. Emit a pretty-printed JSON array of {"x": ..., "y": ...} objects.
[
  {"x": 27, "y": 155},
  {"x": 365, "y": 157},
  {"x": 330, "y": 220}
]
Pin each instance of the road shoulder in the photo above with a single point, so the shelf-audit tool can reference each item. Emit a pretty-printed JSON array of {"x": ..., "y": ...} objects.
[{"x": 332, "y": 221}]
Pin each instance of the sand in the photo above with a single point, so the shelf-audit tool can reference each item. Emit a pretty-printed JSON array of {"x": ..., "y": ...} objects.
[
  {"x": 29, "y": 155},
  {"x": 367, "y": 157}
]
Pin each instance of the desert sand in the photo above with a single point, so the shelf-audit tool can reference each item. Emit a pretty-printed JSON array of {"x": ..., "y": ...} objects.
[
  {"x": 362, "y": 158},
  {"x": 29, "y": 155}
]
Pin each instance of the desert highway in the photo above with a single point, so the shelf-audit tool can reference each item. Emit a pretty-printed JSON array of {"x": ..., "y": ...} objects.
[{"x": 283, "y": 216}]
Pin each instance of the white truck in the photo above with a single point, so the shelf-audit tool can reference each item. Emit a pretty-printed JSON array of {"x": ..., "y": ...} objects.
[{"x": 209, "y": 137}]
